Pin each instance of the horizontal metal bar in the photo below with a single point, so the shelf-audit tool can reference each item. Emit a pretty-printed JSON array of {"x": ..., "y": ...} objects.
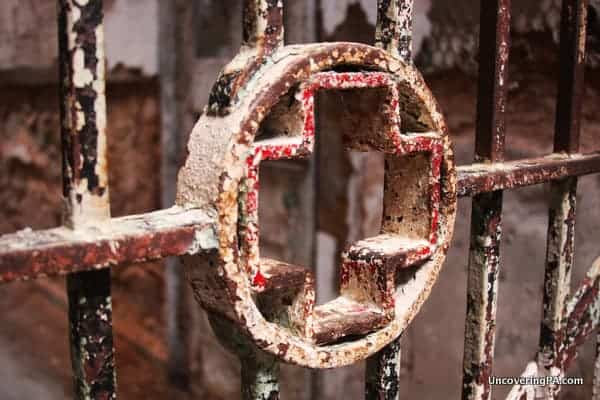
[
  {"x": 489, "y": 177},
  {"x": 175, "y": 231}
]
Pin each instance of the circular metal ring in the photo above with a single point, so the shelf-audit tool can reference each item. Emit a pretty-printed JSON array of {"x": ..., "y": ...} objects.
[{"x": 270, "y": 116}]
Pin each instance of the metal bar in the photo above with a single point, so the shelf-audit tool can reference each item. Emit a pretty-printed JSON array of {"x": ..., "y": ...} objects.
[
  {"x": 263, "y": 24},
  {"x": 394, "y": 34},
  {"x": 557, "y": 277},
  {"x": 260, "y": 377},
  {"x": 572, "y": 68},
  {"x": 85, "y": 182},
  {"x": 486, "y": 222},
  {"x": 29, "y": 254},
  {"x": 173, "y": 94},
  {"x": 383, "y": 373},
  {"x": 262, "y": 30},
  {"x": 394, "y": 27},
  {"x": 484, "y": 265},
  {"x": 176, "y": 231},
  {"x": 494, "y": 47},
  {"x": 596, "y": 382},
  {"x": 480, "y": 178},
  {"x": 561, "y": 220},
  {"x": 582, "y": 316}
]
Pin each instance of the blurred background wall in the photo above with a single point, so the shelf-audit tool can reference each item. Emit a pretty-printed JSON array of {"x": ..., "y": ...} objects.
[{"x": 162, "y": 58}]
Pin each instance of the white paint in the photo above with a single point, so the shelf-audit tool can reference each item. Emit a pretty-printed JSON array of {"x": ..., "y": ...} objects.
[
  {"x": 131, "y": 29},
  {"x": 81, "y": 75}
]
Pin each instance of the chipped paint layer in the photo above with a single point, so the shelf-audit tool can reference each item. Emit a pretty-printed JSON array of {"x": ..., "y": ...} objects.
[
  {"x": 486, "y": 218},
  {"x": 221, "y": 174},
  {"x": 83, "y": 110},
  {"x": 479, "y": 178},
  {"x": 557, "y": 277},
  {"x": 383, "y": 373},
  {"x": 85, "y": 189},
  {"x": 31, "y": 254},
  {"x": 394, "y": 27}
]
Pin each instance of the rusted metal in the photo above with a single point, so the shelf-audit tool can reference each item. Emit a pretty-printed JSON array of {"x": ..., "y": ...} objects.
[
  {"x": 572, "y": 68},
  {"x": 557, "y": 277},
  {"x": 561, "y": 225},
  {"x": 418, "y": 220},
  {"x": 494, "y": 49},
  {"x": 263, "y": 24},
  {"x": 480, "y": 178},
  {"x": 83, "y": 112},
  {"x": 91, "y": 336},
  {"x": 596, "y": 381},
  {"x": 263, "y": 33},
  {"x": 394, "y": 27},
  {"x": 260, "y": 377},
  {"x": 482, "y": 295},
  {"x": 260, "y": 370},
  {"x": 31, "y": 254},
  {"x": 85, "y": 182},
  {"x": 486, "y": 222},
  {"x": 582, "y": 317},
  {"x": 382, "y": 379},
  {"x": 393, "y": 33}
]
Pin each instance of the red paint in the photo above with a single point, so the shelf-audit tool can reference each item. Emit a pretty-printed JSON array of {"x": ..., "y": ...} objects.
[{"x": 259, "y": 280}]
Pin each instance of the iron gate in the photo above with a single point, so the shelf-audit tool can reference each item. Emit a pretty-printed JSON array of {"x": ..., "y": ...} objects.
[{"x": 91, "y": 241}]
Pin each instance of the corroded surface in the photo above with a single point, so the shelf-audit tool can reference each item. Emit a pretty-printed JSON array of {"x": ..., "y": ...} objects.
[
  {"x": 394, "y": 27},
  {"x": 31, "y": 254},
  {"x": 83, "y": 111},
  {"x": 221, "y": 175},
  {"x": 85, "y": 186},
  {"x": 486, "y": 219},
  {"x": 383, "y": 373},
  {"x": 488, "y": 177},
  {"x": 579, "y": 320}
]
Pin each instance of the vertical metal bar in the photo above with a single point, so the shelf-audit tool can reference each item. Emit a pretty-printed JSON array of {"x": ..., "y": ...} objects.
[
  {"x": 263, "y": 24},
  {"x": 486, "y": 221},
  {"x": 263, "y": 30},
  {"x": 260, "y": 377},
  {"x": 172, "y": 95},
  {"x": 596, "y": 382},
  {"x": 563, "y": 194},
  {"x": 394, "y": 27},
  {"x": 394, "y": 34},
  {"x": 572, "y": 68},
  {"x": 383, "y": 373},
  {"x": 85, "y": 183}
]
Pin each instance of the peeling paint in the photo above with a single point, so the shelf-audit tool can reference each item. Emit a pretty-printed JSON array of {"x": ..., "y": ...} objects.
[{"x": 222, "y": 169}]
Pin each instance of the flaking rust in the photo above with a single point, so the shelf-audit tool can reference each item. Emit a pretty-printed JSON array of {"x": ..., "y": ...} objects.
[
  {"x": 83, "y": 110},
  {"x": 580, "y": 320},
  {"x": 85, "y": 185},
  {"x": 394, "y": 27},
  {"x": 221, "y": 176}
]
